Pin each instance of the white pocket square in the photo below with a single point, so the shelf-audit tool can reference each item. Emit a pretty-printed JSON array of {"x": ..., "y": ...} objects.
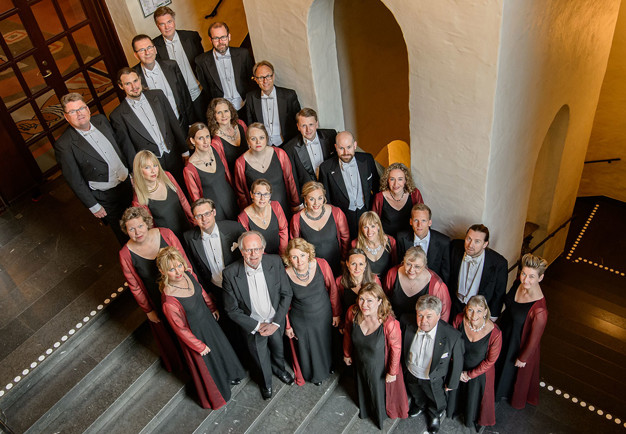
[
  {"x": 370, "y": 177},
  {"x": 444, "y": 355}
]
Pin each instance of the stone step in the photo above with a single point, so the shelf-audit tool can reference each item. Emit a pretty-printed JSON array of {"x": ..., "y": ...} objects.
[
  {"x": 101, "y": 387},
  {"x": 65, "y": 368}
]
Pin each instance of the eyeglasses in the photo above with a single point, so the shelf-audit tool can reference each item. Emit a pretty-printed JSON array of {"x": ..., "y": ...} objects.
[
  {"x": 253, "y": 250},
  {"x": 203, "y": 215},
  {"x": 220, "y": 38},
  {"x": 145, "y": 50},
  {"x": 78, "y": 110},
  {"x": 260, "y": 195},
  {"x": 265, "y": 77}
]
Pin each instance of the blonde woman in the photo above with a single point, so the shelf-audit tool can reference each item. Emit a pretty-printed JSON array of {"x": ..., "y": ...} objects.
[
  {"x": 379, "y": 247},
  {"x": 158, "y": 192}
]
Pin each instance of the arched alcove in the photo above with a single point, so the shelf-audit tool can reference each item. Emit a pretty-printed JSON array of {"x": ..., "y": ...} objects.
[
  {"x": 545, "y": 177},
  {"x": 374, "y": 73}
]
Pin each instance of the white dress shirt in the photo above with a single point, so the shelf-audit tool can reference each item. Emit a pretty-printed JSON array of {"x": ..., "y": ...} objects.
[
  {"x": 213, "y": 251},
  {"x": 422, "y": 242},
  {"x": 314, "y": 149},
  {"x": 226, "y": 72},
  {"x": 176, "y": 51},
  {"x": 421, "y": 353},
  {"x": 143, "y": 110},
  {"x": 469, "y": 276},
  {"x": 156, "y": 80},
  {"x": 269, "y": 105},
  {"x": 260, "y": 301},
  {"x": 352, "y": 179}
]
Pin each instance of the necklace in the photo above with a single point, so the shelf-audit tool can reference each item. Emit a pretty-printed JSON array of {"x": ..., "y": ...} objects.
[
  {"x": 310, "y": 217},
  {"x": 302, "y": 277},
  {"x": 479, "y": 328},
  {"x": 184, "y": 289},
  {"x": 200, "y": 159},
  {"x": 231, "y": 137},
  {"x": 262, "y": 217},
  {"x": 261, "y": 161},
  {"x": 375, "y": 250},
  {"x": 394, "y": 198},
  {"x": 156, "y": 187}
]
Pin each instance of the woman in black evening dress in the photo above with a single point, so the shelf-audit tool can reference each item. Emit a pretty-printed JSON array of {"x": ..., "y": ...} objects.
[
  {"x": 158, "y": 192},
  {"x": 356, "y": 273},
  {"x": 192, "y": 314},
  {"x": 228, "y": 131},
  {"x": 314, "y": 309},
  {"x": 323, "y": 225},
  {"x": 207, "y": 175},
  {"x": 379, "y": 248}
]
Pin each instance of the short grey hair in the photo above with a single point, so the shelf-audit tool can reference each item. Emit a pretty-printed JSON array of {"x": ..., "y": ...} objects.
[
  {"x": 248, "y": 233},
  {"x": 429, "y": 302}
]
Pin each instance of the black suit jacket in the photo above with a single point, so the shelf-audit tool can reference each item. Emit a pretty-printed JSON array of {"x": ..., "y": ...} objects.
[
  {"x": 237, "y": 292},
  {"x": 175, "y": 79},
  {"x": 301, "y": 162},
  {"x": 209, "y": 78},
  {"x": 81, "y": 163},
  {"x": 336, "y": 192},
  {"x": 189, "y": 39},
  {"x": 229, "y": 233},
  {"x": 438, "y": 255},
  {"x": 492, "y": 282},
  {"x": 131, "y": 133},
  {"x": 288, "y": 107},
  {"x": 447, "y": 361}
]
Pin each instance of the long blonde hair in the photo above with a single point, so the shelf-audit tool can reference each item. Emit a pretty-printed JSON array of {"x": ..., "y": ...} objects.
[
  {"x": 368, "y": 218},
  {"x": 139, "y": 183},
  {"x": 166, "y": 257}
]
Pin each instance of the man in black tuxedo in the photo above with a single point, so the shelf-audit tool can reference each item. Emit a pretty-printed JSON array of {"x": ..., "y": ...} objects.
[
  {"x": 165, "y": 75},
  {"x": 182, "y": 46},
  {"x": 433, "y": 361},
  {"x": 93, "y": 163},
  {"x": 225, "y": 71},
  {"x": 145, "y": 120},
  {"x": 476, "y": 269},
  {"x": 435, "y": 244},
  {"x": 257, "y": 295},
  {"x": 309, "y": 149},
  {"x": 273, "y": 106},
  {"x": 212, "y": 246},
  {"x": 351, "y": 180}
]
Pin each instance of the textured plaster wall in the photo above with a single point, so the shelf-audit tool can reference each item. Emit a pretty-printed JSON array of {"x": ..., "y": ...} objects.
[
  {"x": 551, "y": 54},
  {"x": 129, "y": 20},
  {"x": 608, "y": 135}
]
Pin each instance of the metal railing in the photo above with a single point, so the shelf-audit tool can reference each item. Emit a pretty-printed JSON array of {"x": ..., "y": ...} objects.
[{"x": 606, "y": 160}]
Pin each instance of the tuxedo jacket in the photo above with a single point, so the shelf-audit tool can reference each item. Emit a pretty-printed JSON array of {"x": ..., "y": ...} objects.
[
  {"x": 131, "y": 133},
  {"x": 438, "y": 255},
  {"x": 492, "y": 281},
  {"x": 229, "y": 233},
  {"x": 175, "y": 79},
  {"x": 302, "y": 167},
  {"x": 288, "y": 107},
  {"x": 81, "y": 163},
  {"x": 209, "y": 78},
  {"x": 189, "y": 39},
  {"x": 336, "y": 191},
  {"x": 237, "y": 292},
  {"x": 447, "y": 362}
]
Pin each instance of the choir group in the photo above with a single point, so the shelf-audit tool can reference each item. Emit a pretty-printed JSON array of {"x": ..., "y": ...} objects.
[{"x": 248, "y": 230}]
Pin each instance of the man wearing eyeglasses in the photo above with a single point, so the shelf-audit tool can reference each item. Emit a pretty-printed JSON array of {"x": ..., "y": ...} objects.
[
  {"x": 182, "y": 46},
  {"x": 275, "y": 107},
  {"x": 257, "y": 295},
  {"x": 164, "y": 75},
  {"x": 225, "y": 71},
  {"x": 93, "y": 163}
]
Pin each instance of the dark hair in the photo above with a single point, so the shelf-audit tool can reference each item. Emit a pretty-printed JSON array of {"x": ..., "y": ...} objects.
[
  {"x": 123, "y": 71},
  {"x": 139, "y": 38},
  {"x": 193, "y": 130},
  {"x": 479, "y": 228},
  {"x": 210, "y": 114},
  {"x": 163, "y": 10},
  {"x": 368, "y": 276},
  {"x": 217, "y": 25},
  {"x": 306, "y": 113},
  {"x": 200, "y": 202}
]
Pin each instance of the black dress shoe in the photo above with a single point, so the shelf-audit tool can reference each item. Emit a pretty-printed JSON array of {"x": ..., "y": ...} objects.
[
  {"x": 318, "y": 383},
  {"x": 235, "y": 382},
  {"x": 286, "y": 378},
  {"x": 415, "y": 411},
  {"x": 434, "y": 425},
  {"x": 266, "y": 393}
]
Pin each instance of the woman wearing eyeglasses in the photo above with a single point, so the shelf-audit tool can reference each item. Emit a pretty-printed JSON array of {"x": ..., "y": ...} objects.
[
  {"x": 265, "y": 216},
  {"x": 269, "y": 163},
  {"x": 207, "y": 175},
  {"x": 407, "y": 282}
]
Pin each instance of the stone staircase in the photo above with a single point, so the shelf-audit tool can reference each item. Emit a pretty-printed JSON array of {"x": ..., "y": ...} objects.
[{"x": 108, "y": 379}]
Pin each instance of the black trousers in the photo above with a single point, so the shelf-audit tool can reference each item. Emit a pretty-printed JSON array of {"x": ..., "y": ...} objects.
[
  {"x": 200, "y": 105},
  {"x": 425, "y": 394},
  {"x": 115, "y": 201},
  {"x": 353, "y": 221},
  {"x": 268, "y": 354}
]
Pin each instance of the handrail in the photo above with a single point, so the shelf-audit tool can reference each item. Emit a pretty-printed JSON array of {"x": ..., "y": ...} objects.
[
  {"x": 552, "y": 234},
  {"x": 606, "y": 160},
  {"x": 214, "y": 11}
]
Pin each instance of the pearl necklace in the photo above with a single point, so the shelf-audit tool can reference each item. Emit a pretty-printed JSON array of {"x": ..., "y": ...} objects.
[
  {"x": 310, "y": 217},
  {"x": 479, "y": 328},
  {"x": 302, "y": 277}
]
